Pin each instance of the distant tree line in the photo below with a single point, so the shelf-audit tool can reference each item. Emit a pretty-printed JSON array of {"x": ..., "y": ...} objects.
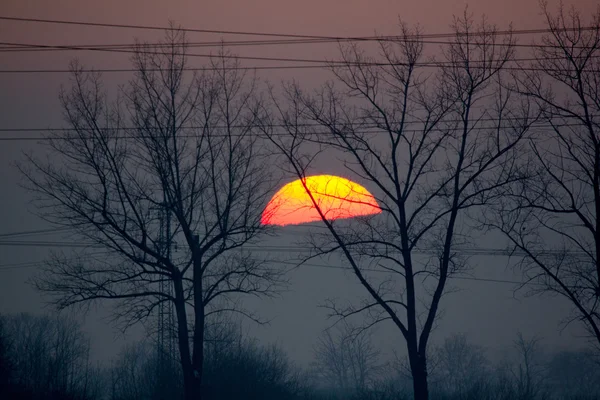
[{"x": 46, "y": 358}]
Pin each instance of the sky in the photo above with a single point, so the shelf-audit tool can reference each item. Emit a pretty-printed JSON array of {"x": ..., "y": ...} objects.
[{"x": 489, "y": 312}]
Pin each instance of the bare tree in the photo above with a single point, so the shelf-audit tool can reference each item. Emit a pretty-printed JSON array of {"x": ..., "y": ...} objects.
[
  {"x": 238, "y": 367},
  {"x": 48, "y": 356},
  {"x": 6, "y": 366},
  {"x": 172, "y": 144},
  {"x": 460, "y": 366},
  {"x": 133, "y": 374},
  {"x": 347, "y": 361},
  {"x": 574, "y": 374},
  {"x": 431, "y": 144},
  {"x": 552, "y": 220},
  {"x": 529, "y": 374}
]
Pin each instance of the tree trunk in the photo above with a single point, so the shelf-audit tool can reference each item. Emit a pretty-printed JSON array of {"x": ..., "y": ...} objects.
[
  {"x": 418, "y": 365},
  {"x": 198, "y": 354},
  {"x": 183, "y": 342}
]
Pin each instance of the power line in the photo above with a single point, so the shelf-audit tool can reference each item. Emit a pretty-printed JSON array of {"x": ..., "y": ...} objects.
[
  {"x": 117, "y": 70},
  {"x": 276, "y": 134},
  {"x": 19, "y": 48},
  {"x": 34, "y": 232},
  {"x": 135, "y": 51},
  {"x": 325, "y": 65},
  {"x": 141, "y": 50},
  {"x": 30, "y": 264},
  {"x": 163, "y": 28},
  {"x": 321, "y": 63},
  {"x": 124, "y": 48},
  {"x": 472, "y": 251},
  {"x": 40, "y": 243},
  {"x": 40, "y": 264},
  {"x": 480, "y": 251},
  {"x": 36, "y": 264},
  {"x": 7, "y": 267},
  {"x": 292, "y": 248},
  {"x": 42, "y": 138},
  {"x": 289, "y": 35},
  {"x": 253, "y": 58},
  {"x": 469, "y": 278},
  {"x": 245, "y": 126}
]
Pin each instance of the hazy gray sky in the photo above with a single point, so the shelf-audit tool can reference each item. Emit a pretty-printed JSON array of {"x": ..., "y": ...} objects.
[{"x": 486, "y": 311}]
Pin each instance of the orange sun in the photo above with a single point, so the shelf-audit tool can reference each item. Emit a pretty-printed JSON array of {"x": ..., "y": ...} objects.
[{"x": 336, "y": 198}]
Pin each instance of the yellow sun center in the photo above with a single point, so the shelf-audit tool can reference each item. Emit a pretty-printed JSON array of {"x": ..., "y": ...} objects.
[{"x": 301, "y": 200}]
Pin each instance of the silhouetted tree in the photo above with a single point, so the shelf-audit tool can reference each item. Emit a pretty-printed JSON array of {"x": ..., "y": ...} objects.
[
  {"x": 133, "y": 375},
  {"x": 573, "y": 374},
  {"x": 237, "y": 367},
  {"x": 47, "y": 358},
  {"x": 552, "y": 220},
  {"x": 431, "y": 145},
  {"x": 529, "y": 373},
  {"x": 346, "y": 361},
  {"x": 460, "y": 367},
  {"x": 6, "y": 364},
  {"x": 173, "y": 148}
]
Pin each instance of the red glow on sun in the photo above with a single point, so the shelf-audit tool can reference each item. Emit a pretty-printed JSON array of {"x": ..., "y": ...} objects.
[{"x": 336, "y": 197}]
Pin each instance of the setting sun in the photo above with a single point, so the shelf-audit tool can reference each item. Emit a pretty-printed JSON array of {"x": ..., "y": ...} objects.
[{"x": 336, "y": 197}]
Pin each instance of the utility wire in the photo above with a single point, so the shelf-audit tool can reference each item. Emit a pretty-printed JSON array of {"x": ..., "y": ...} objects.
[
  {"x": 163, "y": 28},
  {"x": 36, "y": 264},
  {"x": 8, "y": 267},
  {"x": 480, "y": 251},
  {"x": 245, "y": 126},
  {"x": 117, "y": 70},
  {"x": 33, "y": 232},
  {"x": 289, "y": 35},
  {"x": 278, "y": 67},
  {"x": 323, "y": 63},
  {"x": 276, "y": 134},
  {"x": 139, "y": 49},
  {"x": 342, "y": 63},
  {"x": 18, "y": 48},
  {"x": 293, "y": 248},
  {"x": 143, "y": 51},
  {"x": 469, "y": 278}
]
